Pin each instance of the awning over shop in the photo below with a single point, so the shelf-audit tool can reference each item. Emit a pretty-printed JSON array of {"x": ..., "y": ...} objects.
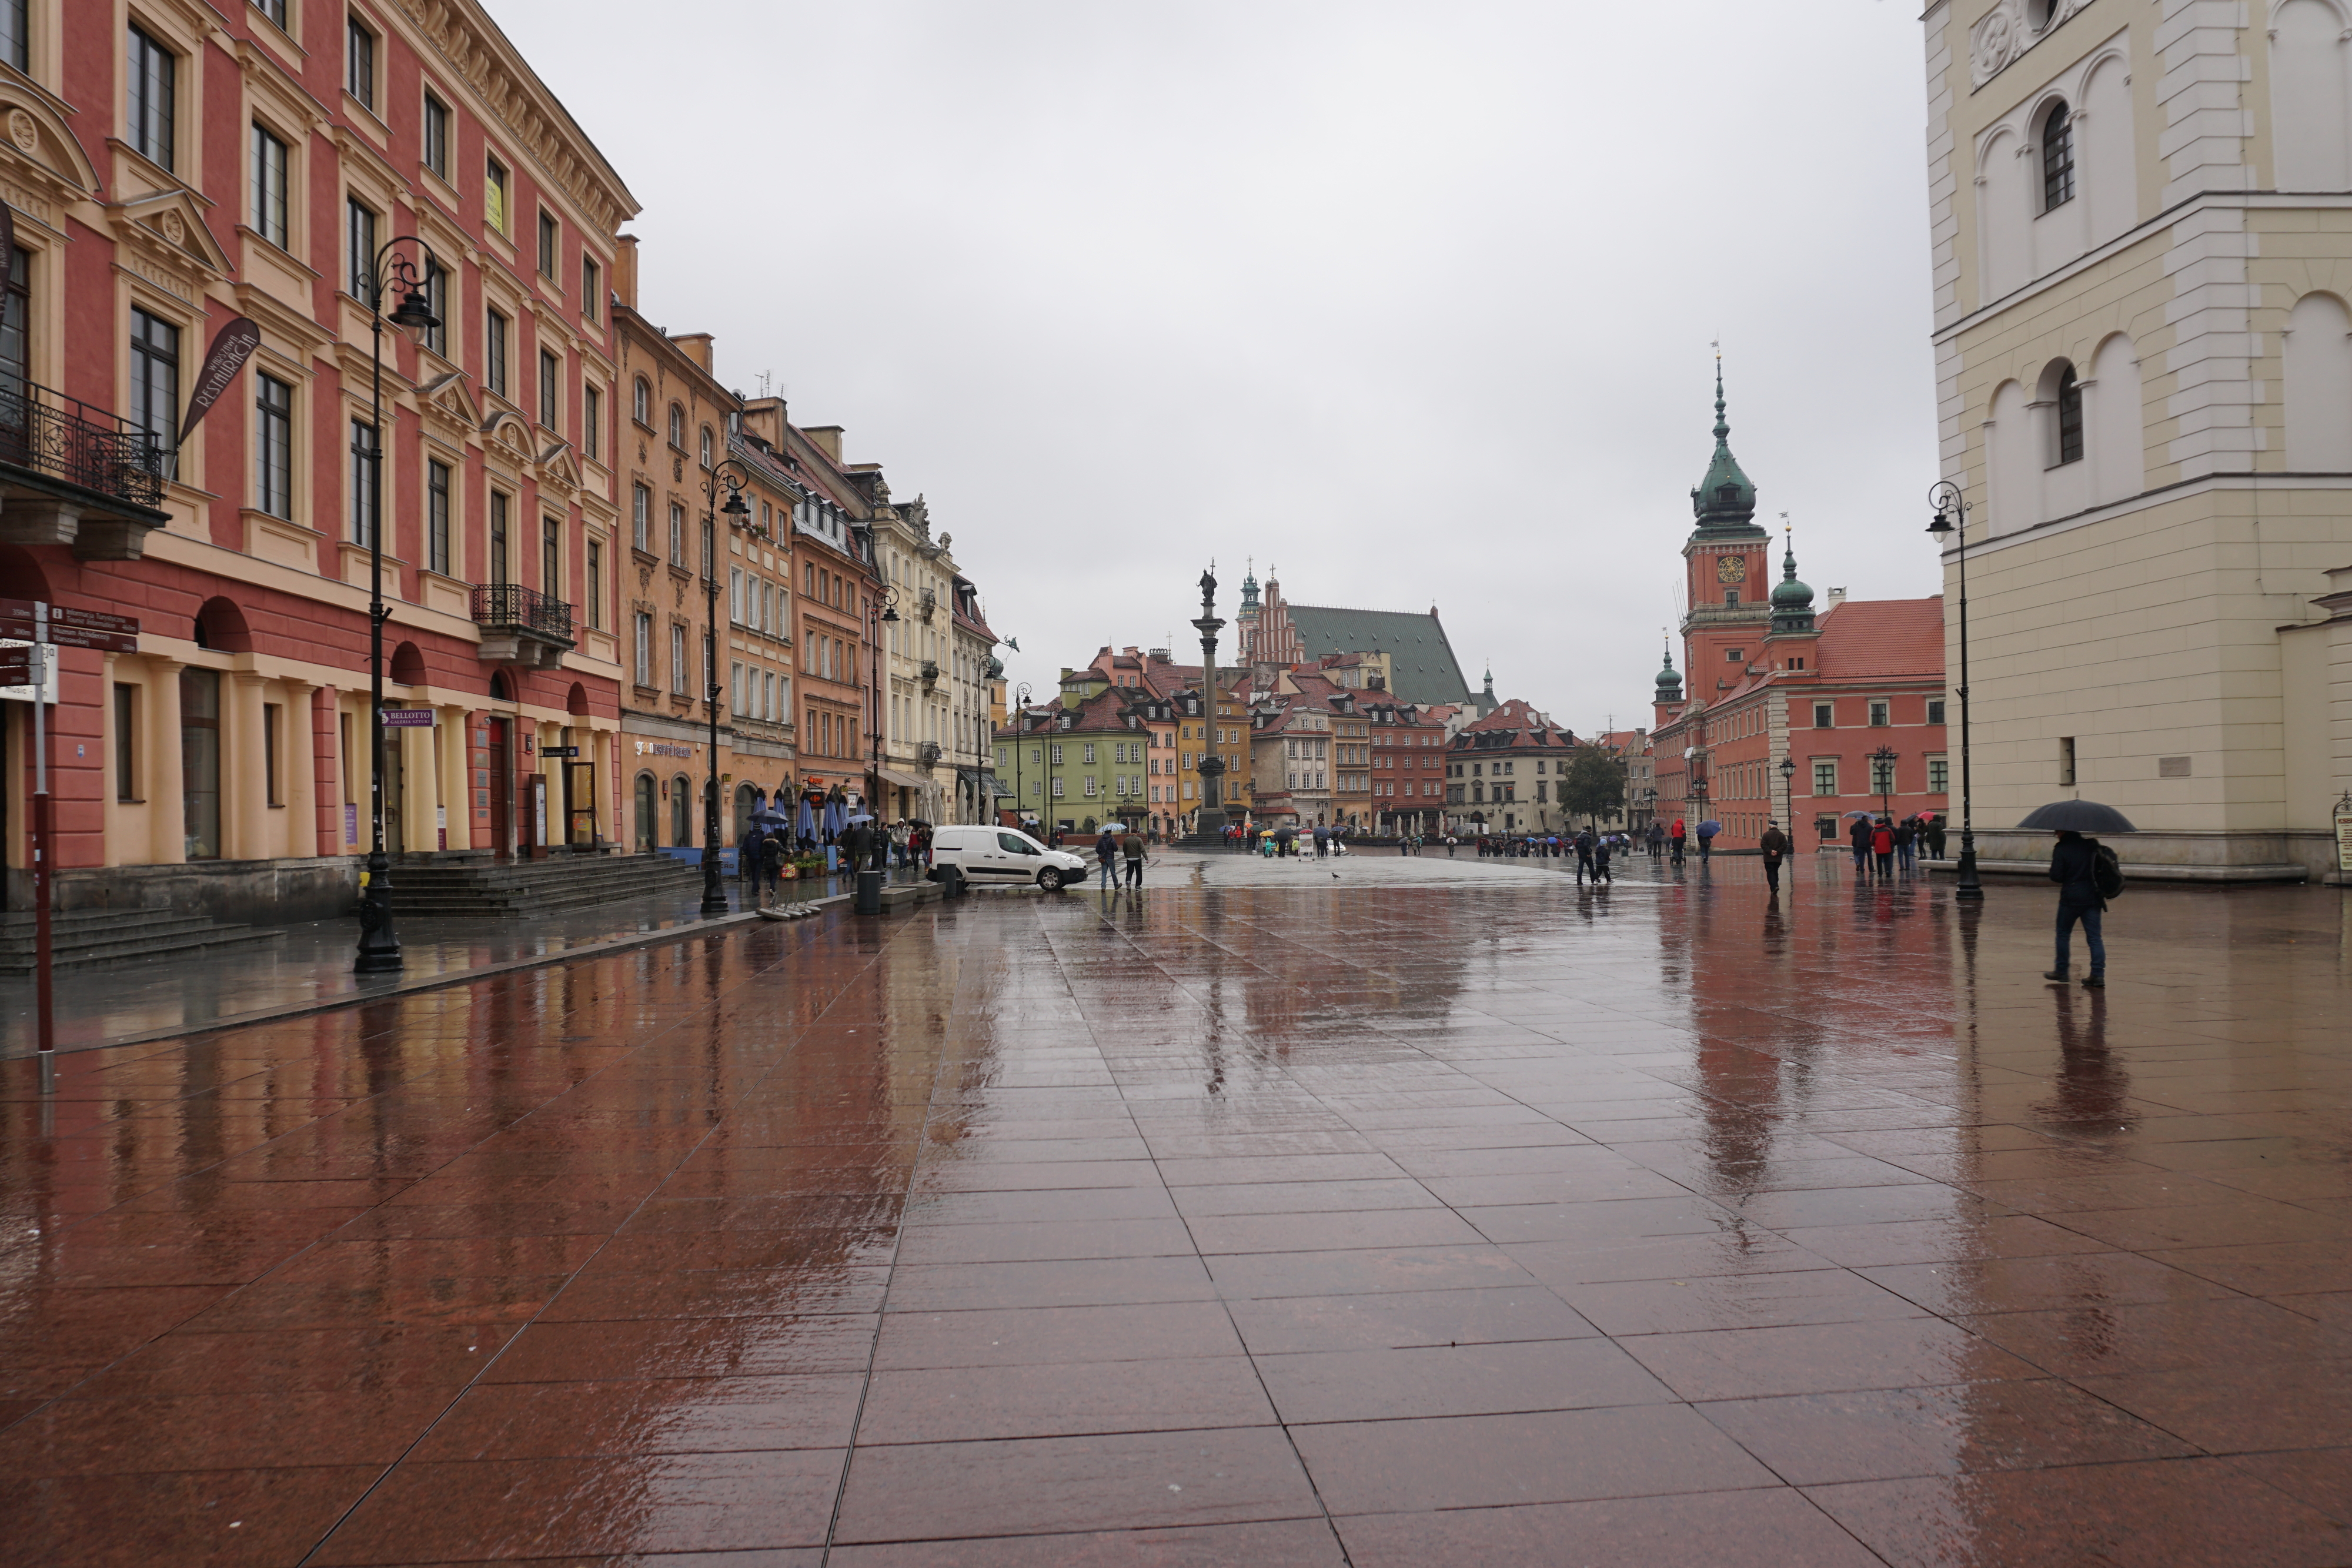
[{"x": 903, "y": 781}]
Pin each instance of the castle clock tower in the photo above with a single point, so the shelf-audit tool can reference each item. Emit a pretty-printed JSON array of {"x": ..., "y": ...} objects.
[{"x": 1726, "y": 567}]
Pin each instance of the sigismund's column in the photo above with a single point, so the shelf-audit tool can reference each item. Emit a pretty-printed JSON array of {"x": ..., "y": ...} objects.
[{"x": 1214, "y": 816}]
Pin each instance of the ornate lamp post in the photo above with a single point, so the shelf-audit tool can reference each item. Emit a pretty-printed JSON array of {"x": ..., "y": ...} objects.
[
  {"x": 1788, "y": 796},
  {"x": 732, "y": 475},
  {"x": 880, "y": 611},
  {"x": 1213, "y": 816},
  {"x": 1020, "y": 734},
  {"x": 1883, "y": 764},
  {"x": 1952, "y": 521},
  {"x": 379, "y": 948}
]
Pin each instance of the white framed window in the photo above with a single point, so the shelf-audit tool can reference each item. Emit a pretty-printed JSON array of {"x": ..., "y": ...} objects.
[{"x": 645, "y": 649}]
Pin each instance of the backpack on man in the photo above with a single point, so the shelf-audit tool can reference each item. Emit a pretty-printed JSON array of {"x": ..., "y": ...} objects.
[{"x": 2106, "y": 873}]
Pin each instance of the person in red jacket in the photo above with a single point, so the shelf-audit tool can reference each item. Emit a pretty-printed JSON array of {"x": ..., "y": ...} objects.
[
  {"x": 1882, "y": 848},
  {"x": 1675, "y": 837}
]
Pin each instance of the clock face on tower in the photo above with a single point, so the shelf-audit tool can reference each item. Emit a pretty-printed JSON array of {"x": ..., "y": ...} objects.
[{"x": 1731, "y": 568}]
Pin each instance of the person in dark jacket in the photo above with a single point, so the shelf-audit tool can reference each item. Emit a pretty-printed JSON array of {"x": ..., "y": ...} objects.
[
  {"x": 1858, "y": 832},
  {"x": 1774, "y": 843},
  {"x": 2073, "y": 867},
  {"x": 1600, "y": 860},
  {"x": 1107, "y": 852},
  {"x": 1904, "y": 831},
  {"x": 1583, "y": 855},
  {"x": 1132, "y": 846}
]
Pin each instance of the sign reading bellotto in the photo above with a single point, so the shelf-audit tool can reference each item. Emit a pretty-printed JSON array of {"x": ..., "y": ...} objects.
[{"x": 408, "y": 718}]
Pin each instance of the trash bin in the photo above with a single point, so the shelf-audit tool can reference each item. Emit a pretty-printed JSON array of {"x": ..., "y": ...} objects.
[
  {"x": 951, "y": 880},
  {"x": 869, "y": 893}
]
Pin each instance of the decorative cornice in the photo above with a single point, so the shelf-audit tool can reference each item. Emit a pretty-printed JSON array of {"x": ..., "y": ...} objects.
[{"x": 2003, "y": 36}]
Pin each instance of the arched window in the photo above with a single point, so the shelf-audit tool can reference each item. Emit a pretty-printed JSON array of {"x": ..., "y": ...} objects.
[
  {"x": 647, "y": 819},
  {"x": 2069, "y": 416},
  {"x": 681, "y": 811},
  {"x": 706, "y": 446},
  {"x": 678, "y": 427},
  {"x": 642, "y": 407},
  {"x": 2057, "y": 158}
]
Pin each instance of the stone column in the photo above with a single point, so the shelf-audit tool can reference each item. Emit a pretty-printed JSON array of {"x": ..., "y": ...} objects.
[
  {"x": 167, "y": 816},
  {"x": 298, "y": 736},
  {"x": 457, "y": 773},
  {"x": 326, "y": 770},
  {"x": 420, "y": 789},
  {"x": 244, "y": 757}
]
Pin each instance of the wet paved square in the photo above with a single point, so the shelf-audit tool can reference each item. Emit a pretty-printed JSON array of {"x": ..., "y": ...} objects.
[{"x": 1380, "y": 1211}]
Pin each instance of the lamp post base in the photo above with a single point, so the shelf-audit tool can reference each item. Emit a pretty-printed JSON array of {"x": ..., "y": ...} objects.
[
  {"x": 714, "y": 891},
  {"x": 1969, "y": 888},
  {"x": 379, "y": 949}
]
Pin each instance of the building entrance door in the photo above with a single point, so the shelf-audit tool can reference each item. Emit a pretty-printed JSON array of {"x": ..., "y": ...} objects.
[
  {"x": 647, "y": 808},
  {"x": 395, "y": 778},
  {"x": 503, "y": 787},
  {"x": 579, "y": 803}
]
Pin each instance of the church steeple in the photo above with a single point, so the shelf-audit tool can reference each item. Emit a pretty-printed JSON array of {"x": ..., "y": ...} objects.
[
  {"x": 1249, "y": 591},
  {"x": 1792, "y": 601}
]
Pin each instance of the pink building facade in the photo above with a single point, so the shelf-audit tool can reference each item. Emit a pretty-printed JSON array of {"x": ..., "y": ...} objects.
[{"x": 171, "y": 168}]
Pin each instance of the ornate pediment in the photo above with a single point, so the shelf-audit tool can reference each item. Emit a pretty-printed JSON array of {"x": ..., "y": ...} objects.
[
  {"x": 170, "y": 225},
  {"x": 2003, "y": 34},
  {"x": 559, "y": 467},
  {"x": 41, "y": 163},
  {"x": 448, "y": 399},
  {"x": 509, "y": 432}
]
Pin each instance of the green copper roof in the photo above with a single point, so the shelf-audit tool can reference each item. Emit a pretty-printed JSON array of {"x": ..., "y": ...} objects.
[
  {"x": 1724, "y": 498},
  {"x": 1789, "y": 593},
  {"x": 1667, "y": 678},
  {"x": 1422, "y": 666}
]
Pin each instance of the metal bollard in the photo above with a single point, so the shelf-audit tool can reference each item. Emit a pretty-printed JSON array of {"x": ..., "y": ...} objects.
[
  {"x": 869, "y": 893},
  {"x": 952, "y": 884}
]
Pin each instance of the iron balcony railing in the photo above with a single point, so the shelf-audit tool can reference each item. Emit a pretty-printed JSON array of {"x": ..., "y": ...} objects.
[
  {"x": 928, "y": 754},
  {"x": 510, "y": 605},
  {"x": 930, "y": 672},
  {"x": 67, "y": 439}
]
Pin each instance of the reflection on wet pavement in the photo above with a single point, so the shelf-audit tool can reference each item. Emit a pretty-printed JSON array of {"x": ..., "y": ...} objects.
[{"x": 1428, "y": 1222}]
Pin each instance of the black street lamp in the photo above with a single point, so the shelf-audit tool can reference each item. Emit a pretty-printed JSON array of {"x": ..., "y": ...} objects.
[
  {"x": 379, "y": 948},
  {"x": 1883, "y": 764},
  {"x": 1788, "y": 796},
  {"x": 1020, "y": 733},
  {"x": 884, "y": 611},
  {"x": 1952, "y": 521},
  {"x": 732, "y": 475}
]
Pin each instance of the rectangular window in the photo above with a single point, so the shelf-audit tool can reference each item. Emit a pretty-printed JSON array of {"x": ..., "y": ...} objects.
[
  {"x": 551, "y": 376},
  {"x": 1824, "y": 716},
  {"x": 1936, "y": 711},
  {"x": 494, "y": 194},
  {"x": 270, "y": 187},
  {"x": 1939, "y": 776},
  {"x": 595, "y": 605},
  {"x": 155, "y": 381},
  {"x": 1878, "y": 715},
  {"x": 641, "y": 509},
  {"x": 1057, "y": 755},
  {"x": 273, "y": 446},
  {"x": 358, "y": 63},
  {"x": 645, "y": 649},
  {"x": 1057, "y": 788},
  {"x": 710, "y": 552},
  {"x": 126, "y": 733},
  {"x": 591, "y": 422},
  {"x": 2065, "y": 759},
  {"x": 436, "y": 136},
  {"x": 437, "y": 295},
  {"x": 676, "y": 535},
  {"x": 735, "y": 595},
  {"x": 359, "y": 238},
  {"x": 153, "y": 86},
  {"x": 15, "y": 34},
  {"x": 1089, "y": 754},
  {"x": 272, "y": 744},
  {"x": 735, "y": 688},
  {"x": 550, "y": 239},
  {"x": 1825, "y": 778},
  {"x": 494, "y": 352},
  {"x": 591, "y": 289},
  {"x": 363, "y": 490},
  {"x": 678, "y": 660},
  {"x": 499, "y": 503},
  {"x": 551, "y": 556},
  {"x": 437, "y": 517}
]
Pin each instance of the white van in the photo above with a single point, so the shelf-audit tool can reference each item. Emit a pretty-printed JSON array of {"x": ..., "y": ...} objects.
[{"x": 995, "y": 857}]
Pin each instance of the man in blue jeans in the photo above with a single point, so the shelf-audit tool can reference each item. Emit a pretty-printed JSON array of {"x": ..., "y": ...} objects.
[
  {"x": 1107, "y": 852},
  {"x": 2074, "y": 867}
]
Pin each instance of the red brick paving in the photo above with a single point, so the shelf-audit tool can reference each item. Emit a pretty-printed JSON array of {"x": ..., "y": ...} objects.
[{"x": 1396, "y": 1224}]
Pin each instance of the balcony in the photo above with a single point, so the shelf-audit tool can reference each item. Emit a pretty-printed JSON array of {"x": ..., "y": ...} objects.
[
  {"x": 928, "y": 755},
  {"x": 522, "y": 626},
  {"x": 930, "y": 672},
  {"x": 73, "y": 474}
]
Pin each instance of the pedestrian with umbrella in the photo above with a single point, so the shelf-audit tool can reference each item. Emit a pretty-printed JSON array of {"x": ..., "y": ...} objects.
[
  {"x": 1107, "y": 852},
  {"x": 2087, "y": 874},
  {"x": 1707, "y": 832}
]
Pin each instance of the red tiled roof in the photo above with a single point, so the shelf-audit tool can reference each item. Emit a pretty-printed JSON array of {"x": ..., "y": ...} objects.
[{"x": 1882, "y": 637}]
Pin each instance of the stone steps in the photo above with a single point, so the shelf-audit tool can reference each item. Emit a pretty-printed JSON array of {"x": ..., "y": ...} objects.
[
  {"x": 86, "y": 937},
  {"x": 529, "y": 887}
]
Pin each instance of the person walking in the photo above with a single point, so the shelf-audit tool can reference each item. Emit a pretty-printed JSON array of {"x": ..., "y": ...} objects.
[
  {"x": 1858, "y": 832},
  {"x": 1601, "y": 861},
  {"x": 1132, "y": 847},
  {"x": 1775, "y": 844},
  {"x": 1707, "y": 832},
  {"x": 1583, "y": 856},
  {"x": 1322, "y": 842},
  {"x": 1935, "y": 837},
  {"x": 2074, "y": 867},
  {"x": 1107, "y": 852},
  {"x": 1677, "y": 838},
  {"x": 1907, "y": 833},
  {"x": 772, "y": 853},
  {"x": 1882, "y": 848}
]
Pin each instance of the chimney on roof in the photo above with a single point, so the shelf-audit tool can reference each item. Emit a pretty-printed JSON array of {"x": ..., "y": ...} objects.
[
  {"x": 1837, "y": 596},
  {"x": 826, "y": 438},
  {"x": 695, "y": 346},
  {"x": 625, "y": 269}
]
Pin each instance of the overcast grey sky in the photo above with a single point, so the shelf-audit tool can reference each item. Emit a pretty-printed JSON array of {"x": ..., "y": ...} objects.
[{"x": 1411, "y": 301}]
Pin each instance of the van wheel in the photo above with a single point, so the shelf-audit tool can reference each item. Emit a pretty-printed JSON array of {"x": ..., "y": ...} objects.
[{"x": 1050, "y": 880}]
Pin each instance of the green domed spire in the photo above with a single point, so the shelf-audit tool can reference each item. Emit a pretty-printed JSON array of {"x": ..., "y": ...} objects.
[
  {"x": 1670, "y": 681},
  {"x": 1725, "y": 498},
  {"x": 1249, "y": 589},
  {"x": 1792, "y": 601}
]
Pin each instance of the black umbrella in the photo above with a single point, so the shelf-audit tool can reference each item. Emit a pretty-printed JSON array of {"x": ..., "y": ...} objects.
[{"x": 2076, "y": 816}]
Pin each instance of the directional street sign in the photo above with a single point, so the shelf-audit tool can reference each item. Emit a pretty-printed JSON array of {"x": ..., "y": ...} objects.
[
  {"x": 71, "y": 628},
  {"x": 16, "y": 666},
  {"x": 59, "y": 615},
  {"x": 558, "y": 751}
]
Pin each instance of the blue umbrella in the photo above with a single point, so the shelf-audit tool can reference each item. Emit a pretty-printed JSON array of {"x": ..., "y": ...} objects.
[
  {"x": 834, "y": 815},
  {"x": 1709, "y": 830},
  {"x": 807, "y": 827}
]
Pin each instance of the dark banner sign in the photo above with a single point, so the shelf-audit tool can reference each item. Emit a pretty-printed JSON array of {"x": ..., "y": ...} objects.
[{"x": 232, "y": 346}]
